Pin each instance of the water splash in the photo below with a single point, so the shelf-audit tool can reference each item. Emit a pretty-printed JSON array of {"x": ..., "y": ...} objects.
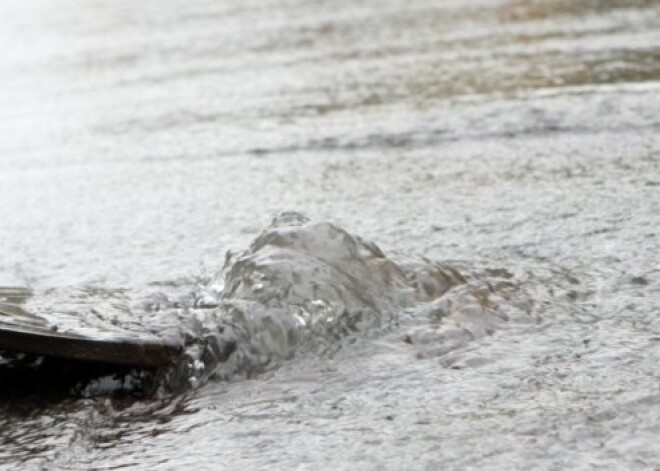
[
  {"x": 301, "y": 289},
  {"x": 302, "y": 286}
]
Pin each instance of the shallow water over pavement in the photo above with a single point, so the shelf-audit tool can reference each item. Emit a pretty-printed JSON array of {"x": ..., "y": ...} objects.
[{"x": 511, "y": 140}]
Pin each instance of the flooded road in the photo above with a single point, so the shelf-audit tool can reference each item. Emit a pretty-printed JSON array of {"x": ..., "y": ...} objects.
[{"x": 517, "y": 142}]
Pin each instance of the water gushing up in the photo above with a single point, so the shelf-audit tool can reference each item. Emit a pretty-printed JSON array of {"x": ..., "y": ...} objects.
[
  {"x": 304, "y": 288},
  {"x": 503, "y": 154}
]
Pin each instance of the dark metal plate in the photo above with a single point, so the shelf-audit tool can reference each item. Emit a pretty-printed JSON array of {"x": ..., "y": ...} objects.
[{"x": 22, "y": 332}]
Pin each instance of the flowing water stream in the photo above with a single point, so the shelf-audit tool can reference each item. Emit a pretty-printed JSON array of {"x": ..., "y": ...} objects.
[{"x": 394, "y": 235}]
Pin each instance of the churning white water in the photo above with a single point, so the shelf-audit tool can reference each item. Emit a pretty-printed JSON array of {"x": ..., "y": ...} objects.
[{"x": 475, "y": 281}]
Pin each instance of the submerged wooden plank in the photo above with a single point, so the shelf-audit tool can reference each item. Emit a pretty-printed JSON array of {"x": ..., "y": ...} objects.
[{"x": 23, "y": 332}]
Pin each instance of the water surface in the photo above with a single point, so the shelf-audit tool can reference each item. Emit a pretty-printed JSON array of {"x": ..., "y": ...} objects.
[{"x": 515, "y": 141}]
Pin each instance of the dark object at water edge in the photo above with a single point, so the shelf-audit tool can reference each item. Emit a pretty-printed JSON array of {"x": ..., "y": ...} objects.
[
  {"x": 24, "y": 333},
  {"x": 142, "y": 352}
]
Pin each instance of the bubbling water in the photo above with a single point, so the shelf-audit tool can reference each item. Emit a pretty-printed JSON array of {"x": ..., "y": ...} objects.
[{"x": 302, "y": 287}]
